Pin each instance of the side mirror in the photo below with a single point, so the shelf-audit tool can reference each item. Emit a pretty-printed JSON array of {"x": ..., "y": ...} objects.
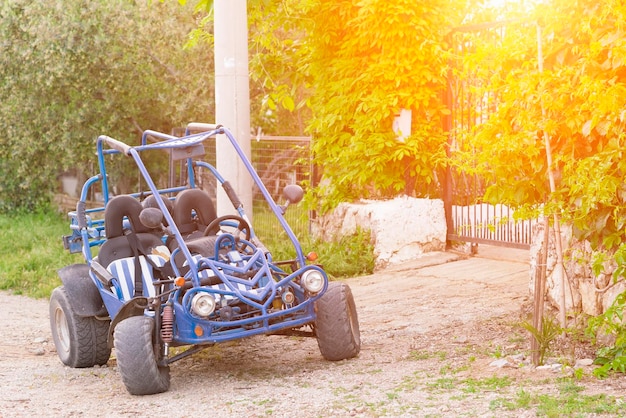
[{"x": 293, "y": 194}]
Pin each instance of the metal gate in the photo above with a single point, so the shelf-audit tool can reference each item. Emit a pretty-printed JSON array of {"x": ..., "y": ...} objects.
[{"x": 468, "y": 217}]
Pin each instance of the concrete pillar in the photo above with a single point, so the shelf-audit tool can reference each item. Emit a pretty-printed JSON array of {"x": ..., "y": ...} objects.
[{"x": 232, "y": 98}]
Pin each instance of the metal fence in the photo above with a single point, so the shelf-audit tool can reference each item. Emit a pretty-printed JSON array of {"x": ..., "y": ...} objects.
[
  {"x": 471, "y": 103},
  {"x": 279, "y": 161}
]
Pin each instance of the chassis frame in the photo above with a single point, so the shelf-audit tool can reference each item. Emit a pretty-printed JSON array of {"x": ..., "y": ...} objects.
[{"x": 251, "y": 293}]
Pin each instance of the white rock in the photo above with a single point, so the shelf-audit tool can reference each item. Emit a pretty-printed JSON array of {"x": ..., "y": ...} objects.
[
  {"x": 584, "y": 362},
  {"x": 401, "y": 229},
  {"x": 500, "y": 363}
]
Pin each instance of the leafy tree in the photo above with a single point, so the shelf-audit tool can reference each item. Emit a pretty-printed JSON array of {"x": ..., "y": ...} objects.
[
  {"x": 279, "y": 84},
  {"x": 343, "y": 70},
  {"x": 71, "y": 71},
  {"x": 577, "y": 103},
  {"x": 369, "y": 60}
]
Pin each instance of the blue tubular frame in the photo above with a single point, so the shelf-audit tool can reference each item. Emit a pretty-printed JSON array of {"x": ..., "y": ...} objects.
[
  {"x": 263, "y": 280},
  {"x": 90, "y": 230},
  {"x": 268, "y": 197},
  {"x": 221, "y": 179},
  {"x": 219, "y": 331}
]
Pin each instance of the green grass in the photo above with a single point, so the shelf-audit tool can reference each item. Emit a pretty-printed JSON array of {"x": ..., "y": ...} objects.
[
  {"x": 425, "y": 355},
  {"x": 351, "y": 256},
  {"x": 568, "y": 402},
  {"x": 488, "y": 384},
  {"x": 31, "y": 249}
]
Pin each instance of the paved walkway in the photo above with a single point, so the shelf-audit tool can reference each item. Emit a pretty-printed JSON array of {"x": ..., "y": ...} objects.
[
  {"x": 485, "y": 252},
  {"x": 442, "y": 289}
]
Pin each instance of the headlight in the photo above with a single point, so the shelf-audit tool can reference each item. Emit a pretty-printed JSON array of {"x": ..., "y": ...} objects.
[
  {"x": 313, "y": 281},
  {"x": 203, "y": 304},
  {"x": 288, "y": 298}
]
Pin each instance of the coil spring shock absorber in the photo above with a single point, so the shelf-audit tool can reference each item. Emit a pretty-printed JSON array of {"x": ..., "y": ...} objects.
[{"x": 167, "y": 324}]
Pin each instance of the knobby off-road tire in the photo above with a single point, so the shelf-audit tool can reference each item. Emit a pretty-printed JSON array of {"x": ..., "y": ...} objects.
[
  {"x": 337, "y": 324},
  {"x": 79, "y": 341},
  {"x": 136, "y": 359}
]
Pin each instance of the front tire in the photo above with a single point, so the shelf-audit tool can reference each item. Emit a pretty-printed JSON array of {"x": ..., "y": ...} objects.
[
  {"x": 79, "y": 341},
  {"x": 136, "y": 359},
  {"x": 337, "y": 323}
]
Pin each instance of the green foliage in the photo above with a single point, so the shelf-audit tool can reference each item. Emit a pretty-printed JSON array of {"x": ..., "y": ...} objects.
[
  {"x": 350, "y": 256},
  {"x": 569, "y": 402},
  {"x": 104, "y": 67},
  {"x": 76, "y": 70},
  {"x": 368, "y": 61},
  {"x": 573, "y": 104},
  {"x": 279, "y": 83},
  {"x": 549, "y": 331},
  {"x": 611, "y": 358},
  {"x": 573, "y": 101},
  {"x": 493, "y": 383}
]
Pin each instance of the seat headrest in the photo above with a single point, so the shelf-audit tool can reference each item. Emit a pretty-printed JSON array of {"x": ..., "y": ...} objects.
[
  {"x": 115, "y": 211},
  {"x": 150, "y": 202},
  {"x": 189, "y": 201}
]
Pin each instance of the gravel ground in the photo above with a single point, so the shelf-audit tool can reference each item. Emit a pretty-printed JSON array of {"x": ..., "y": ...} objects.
[{"x": 430, "y": 330}]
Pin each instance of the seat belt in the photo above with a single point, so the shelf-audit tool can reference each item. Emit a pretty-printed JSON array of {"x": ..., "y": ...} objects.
[
  {"x": 164, "y": 272},
  {"x": 134, "y": 246}
]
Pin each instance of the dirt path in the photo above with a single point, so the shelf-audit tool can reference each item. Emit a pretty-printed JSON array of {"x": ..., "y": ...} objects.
[{"x": 427, "y": 332}]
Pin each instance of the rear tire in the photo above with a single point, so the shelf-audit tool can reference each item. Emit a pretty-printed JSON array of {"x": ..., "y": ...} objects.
[
  {"x": 79, "y": 341},
  {"x": 136, "y": 359},
  {"x": 337, "y": 323}
]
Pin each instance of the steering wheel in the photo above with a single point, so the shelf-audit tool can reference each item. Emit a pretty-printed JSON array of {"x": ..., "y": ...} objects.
[{"x": 242, "y": 226}]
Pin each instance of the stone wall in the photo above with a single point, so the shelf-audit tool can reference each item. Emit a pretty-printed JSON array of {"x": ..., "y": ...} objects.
[
  {"x": 401, "y": 229},
  {"x": 64, "y": 202},
  {"x": 583, "y": 292}
]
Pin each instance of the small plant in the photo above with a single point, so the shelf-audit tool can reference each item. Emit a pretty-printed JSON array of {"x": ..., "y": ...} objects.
[
  {"x": 578, "y": 373},
  {"x": 351, "y": 256},
  {"x": 498, "y": 352},
  {"x": 421, "y": 355},
  {"x": 550, "y": 329},
  {"x": 442, "y": 384},
  {"x": 610, "y": 358},
  {"x": 523, "y": 399}
]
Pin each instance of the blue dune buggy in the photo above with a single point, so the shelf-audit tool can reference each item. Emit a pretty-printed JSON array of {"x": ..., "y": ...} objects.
[{"x": 164, "y": 277}]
